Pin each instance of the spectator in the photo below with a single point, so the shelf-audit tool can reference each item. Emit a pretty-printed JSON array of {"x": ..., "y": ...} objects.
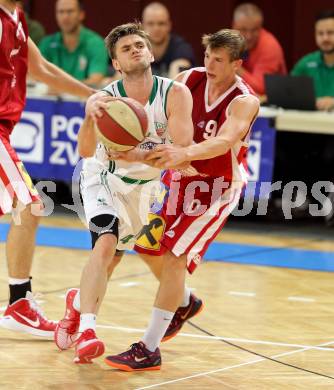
[
  {"x": 171, "y": 52},
  {"x": 320, "y": 64},
  {"x": 264, "y": 53},
  {"x": 36, "y": 30},
  {"x": 76, "y": 49}
]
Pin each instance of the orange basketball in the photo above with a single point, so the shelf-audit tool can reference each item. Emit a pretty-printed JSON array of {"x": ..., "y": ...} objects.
[{"x": 123, "y": 124}]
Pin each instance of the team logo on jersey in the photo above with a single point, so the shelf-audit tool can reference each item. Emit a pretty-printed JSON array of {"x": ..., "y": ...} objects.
[
  {"x": 149, "y": 145},
  {"x": 83, "y": 62},
  {"x": 201, "y": 124},
  {"x": 20, "y": 33},
  {"x": 160, "y": 128},
  {"x": 170, "y": 234},
  {"x": 195, "y": 258},
  {"x": 28, "y": 137}
]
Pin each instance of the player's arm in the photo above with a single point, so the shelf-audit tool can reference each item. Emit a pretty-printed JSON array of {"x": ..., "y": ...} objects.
[
  {"x": 87, "y": 139},
  {"x": 241, "y": 115},
  {"x": 96, "y": 103},
  {"x": 42, "y": 70},
  {"x": 180, "y": 126},
  {"x": 179, "y": 114}
]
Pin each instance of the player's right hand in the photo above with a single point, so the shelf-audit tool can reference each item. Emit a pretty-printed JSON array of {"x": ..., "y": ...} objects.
[{"x": 96, "y": 103}]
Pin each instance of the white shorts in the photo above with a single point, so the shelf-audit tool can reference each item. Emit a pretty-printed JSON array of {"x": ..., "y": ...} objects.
[{"x": 106, "y": 193}]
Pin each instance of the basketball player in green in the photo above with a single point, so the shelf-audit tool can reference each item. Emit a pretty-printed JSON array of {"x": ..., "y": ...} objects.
[{"x": 117, "y": 194}]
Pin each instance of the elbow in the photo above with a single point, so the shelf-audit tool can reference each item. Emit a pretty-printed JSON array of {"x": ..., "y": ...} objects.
[{"x": 187, "y": 142}]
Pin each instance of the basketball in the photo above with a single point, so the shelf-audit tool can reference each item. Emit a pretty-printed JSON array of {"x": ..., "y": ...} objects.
[{"x": 123, "y": 124}]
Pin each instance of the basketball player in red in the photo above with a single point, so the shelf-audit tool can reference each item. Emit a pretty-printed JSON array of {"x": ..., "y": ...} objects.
[
  {"x": 224, "y": 110},
  {"x": 18, "y": 54}
]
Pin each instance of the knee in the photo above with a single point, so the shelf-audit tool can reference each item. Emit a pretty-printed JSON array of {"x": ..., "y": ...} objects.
[
  {"x": 31, "y": 215},
  {"x": 104, "y": 249},
  {"x": 175, "y": 263}
]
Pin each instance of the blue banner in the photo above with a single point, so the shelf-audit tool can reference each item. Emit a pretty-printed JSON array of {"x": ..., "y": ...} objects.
[
  {"x": 261, "y": 155},
  {"x": 46, "y": 138}
]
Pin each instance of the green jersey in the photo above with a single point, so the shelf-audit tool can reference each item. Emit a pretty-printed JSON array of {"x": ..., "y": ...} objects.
[
  {"x": 89, "y": 57},
  {"x": 313, "y": 65}
]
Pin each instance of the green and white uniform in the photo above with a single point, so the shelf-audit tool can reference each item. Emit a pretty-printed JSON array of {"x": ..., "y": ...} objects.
[{"x": 125, "y": 189}]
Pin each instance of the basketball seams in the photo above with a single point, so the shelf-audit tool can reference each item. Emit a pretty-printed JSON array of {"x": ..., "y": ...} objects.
[
  {"x": 126, "y": 121},
  {"x": 123, "y": 125},
  {"x": 142, "y": 119},
  {"x": 116, "y": 135}
]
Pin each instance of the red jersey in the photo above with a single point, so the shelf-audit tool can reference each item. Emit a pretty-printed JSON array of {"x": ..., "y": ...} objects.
[
  {"x": 207, "y": 120},
  {"x": 13, "y": 68}
]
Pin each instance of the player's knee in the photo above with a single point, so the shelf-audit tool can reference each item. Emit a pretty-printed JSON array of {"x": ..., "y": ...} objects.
[
  {"x": 29, "y": 219},
  {"x": 173, "y": 262},
  {"x": 104, "y": 235},
  {"x": 105, "y": 249},
  {"x": 103, "y": 225}
]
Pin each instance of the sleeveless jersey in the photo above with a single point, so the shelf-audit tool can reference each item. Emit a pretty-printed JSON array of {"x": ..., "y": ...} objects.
[
  {"x": 13, "y": 68},
  {"x": 207, "y": 120},
  {"x": 157, "y": 134}
]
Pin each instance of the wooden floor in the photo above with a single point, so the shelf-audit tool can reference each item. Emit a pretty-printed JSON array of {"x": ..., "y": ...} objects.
[{"x": 273, "y": 328}]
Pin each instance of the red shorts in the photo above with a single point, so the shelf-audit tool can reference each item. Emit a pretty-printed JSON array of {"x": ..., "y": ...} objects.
[
  {"x": 15, "y": 182},
  {"x": 192, "y": 215}
]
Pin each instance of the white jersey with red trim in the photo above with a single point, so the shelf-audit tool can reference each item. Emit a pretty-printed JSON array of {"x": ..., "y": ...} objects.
[{"x": 207, "y": 120}]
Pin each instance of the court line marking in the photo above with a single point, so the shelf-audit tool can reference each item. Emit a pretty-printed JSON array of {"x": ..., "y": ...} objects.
[
  {"x": 130, "y": 284},
  {"x": 242, "y": 294},
  {"x": 230, "y": 367},
  {"x": 207, "y": 337},
  {"x": 301, "y": 299}
]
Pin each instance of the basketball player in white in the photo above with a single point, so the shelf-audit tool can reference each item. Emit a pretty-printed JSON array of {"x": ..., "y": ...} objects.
[{"x": 116, "y": 194}]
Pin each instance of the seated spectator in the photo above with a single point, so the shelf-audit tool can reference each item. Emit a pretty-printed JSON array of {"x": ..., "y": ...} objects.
[
  {"x": 36, "y": 30},
  {"x": 171, "y": 52},
  {"x": 264, "y": 53},
  {"x": 320, "y": 64},
  {"x": 76, "y": 49}
]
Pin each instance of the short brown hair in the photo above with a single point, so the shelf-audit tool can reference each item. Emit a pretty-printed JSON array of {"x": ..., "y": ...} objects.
[
  {"x": 229, "y": 39},
  {"x": 122, "y": 31}
]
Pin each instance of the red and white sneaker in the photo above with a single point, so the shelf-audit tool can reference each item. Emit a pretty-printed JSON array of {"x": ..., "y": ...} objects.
[
  {"x": 66, "y": 333},
  {"x": 88, "y": 347},
  {"x": 26, "y": 316}
]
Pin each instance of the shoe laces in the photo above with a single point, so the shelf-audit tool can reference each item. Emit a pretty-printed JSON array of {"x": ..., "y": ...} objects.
[
  {"x": 138, "y": 349},
  {"x": 34, "y": 306},
  {"x": 70, "y": 326}
]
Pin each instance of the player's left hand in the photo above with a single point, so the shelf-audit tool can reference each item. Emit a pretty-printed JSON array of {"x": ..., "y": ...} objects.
[
  {"x": 168, "y": 157},
  {"x": 129, "y": 156}
]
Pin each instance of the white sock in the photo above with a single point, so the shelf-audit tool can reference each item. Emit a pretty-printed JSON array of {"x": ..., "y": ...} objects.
[
  {"x": 76, "y": 301},
  {"x": 87, "y": 321},
  {"x": 160, "y": 320},
  {"x": 186, "y": 297},
  {"x": 12, "y": 281}
]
